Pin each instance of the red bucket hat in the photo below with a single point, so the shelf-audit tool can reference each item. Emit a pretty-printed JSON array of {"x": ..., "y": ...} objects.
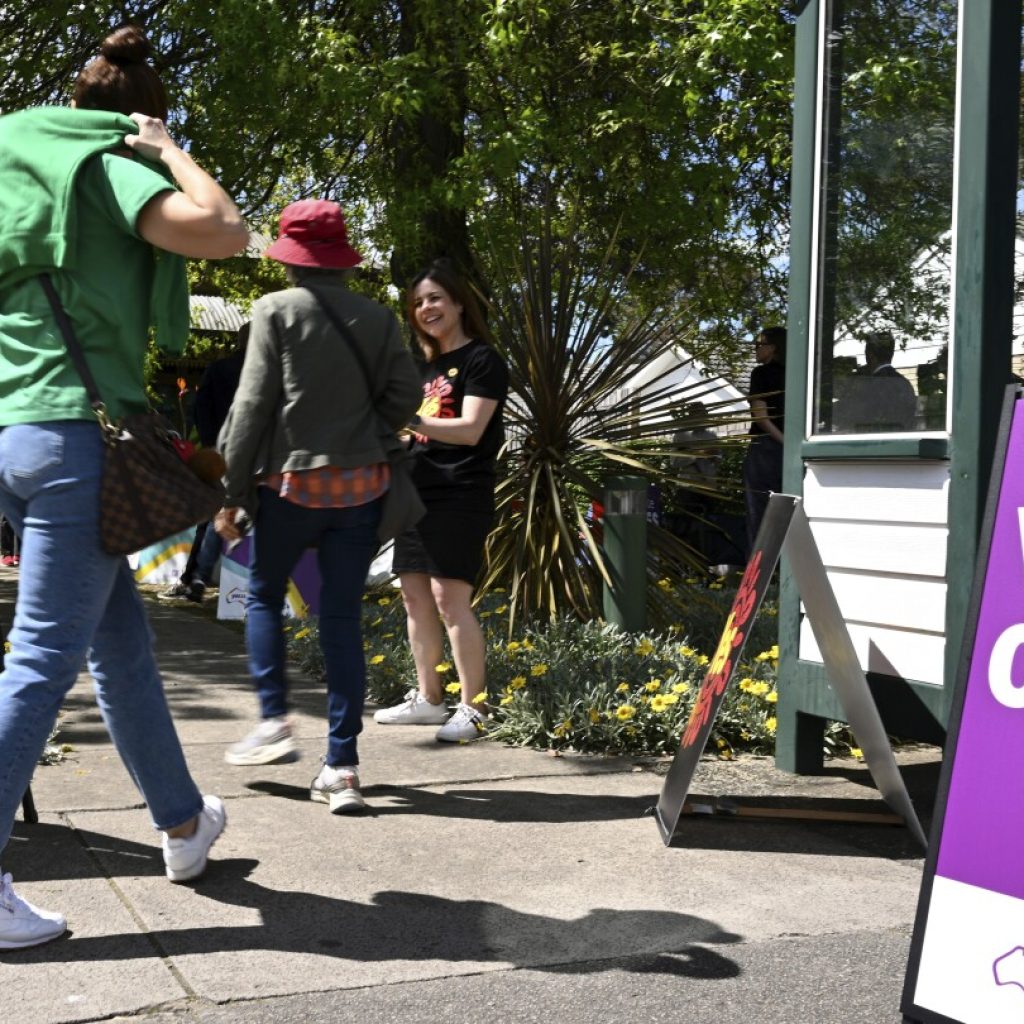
[{"x": 313, "y": 234}]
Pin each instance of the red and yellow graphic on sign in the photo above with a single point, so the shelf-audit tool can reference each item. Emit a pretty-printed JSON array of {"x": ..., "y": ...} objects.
[{"x": 720, "y": 670}]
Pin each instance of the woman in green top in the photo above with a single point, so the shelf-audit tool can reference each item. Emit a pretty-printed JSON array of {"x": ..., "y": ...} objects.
[{"x": 87, "y": 195}]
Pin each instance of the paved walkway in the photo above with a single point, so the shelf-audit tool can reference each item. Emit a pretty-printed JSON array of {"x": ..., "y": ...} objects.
[{"x": 485, "y": 884}]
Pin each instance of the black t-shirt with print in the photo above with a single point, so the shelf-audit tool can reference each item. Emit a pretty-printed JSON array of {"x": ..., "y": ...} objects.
[{"x": 475, "y": 369}]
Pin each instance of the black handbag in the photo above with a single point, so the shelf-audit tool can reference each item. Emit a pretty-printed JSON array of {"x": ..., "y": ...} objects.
[
  {"x": 147, "y": 491},
  {"x": 403, "y": 507}
]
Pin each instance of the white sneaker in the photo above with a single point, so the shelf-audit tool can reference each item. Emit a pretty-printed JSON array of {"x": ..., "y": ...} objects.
[
  {"x": 466, "y": 724},
  {"x": 414, "y": 710},
  {"x": 22, "y": 924},
  {"x": 269, "y": 743},
  {"x": 339, "y": 788},
  {"x": 185, "y": 859}
]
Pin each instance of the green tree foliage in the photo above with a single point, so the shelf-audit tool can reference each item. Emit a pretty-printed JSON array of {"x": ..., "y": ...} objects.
[
  {"x": 891, "y": 117},
  {"x": 437, "y": 123}
]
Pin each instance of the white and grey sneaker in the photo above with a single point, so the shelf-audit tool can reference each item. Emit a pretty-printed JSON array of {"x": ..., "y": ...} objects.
[
  {"x": 465, "y": 725},
  {"x": 22, "y": 924},
  {"x": 269, "y": 743},
  {"x": 414, "y": 710},
  {"x": 185, "y": 858},
  {"x": 338, "y": 788}
]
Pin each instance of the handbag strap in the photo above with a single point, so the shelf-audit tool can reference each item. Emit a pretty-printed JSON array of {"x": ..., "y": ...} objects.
[
  {"x": 75, "y": 351},
  {"x": 343, "y": 329}
]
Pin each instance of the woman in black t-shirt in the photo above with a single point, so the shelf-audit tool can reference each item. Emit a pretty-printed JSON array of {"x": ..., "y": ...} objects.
[
  {"x": 762, "y": 467},
  {"x": 456, "y": 437}
]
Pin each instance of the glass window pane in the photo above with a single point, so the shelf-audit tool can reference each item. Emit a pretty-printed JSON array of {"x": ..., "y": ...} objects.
[{"x": 884, "y": 260}]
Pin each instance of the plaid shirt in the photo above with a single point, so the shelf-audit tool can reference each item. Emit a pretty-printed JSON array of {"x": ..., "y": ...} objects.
[{"x": 331, "y": 486}]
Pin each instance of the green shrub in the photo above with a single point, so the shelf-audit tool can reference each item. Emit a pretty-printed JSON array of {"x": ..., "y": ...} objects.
[{"x": 586, "y": 686}]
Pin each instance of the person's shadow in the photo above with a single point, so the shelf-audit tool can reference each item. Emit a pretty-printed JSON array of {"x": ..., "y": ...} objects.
[
  {"x": 396, "y": 925},
  {"x": 476, "y": 804}
]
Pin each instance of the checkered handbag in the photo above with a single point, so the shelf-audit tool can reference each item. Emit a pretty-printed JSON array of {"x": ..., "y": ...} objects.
[{"x": 147, "y": 491}]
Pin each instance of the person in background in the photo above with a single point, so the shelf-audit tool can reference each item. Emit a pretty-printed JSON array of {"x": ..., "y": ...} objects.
[
  {"x": 213, "y": 400},
  {"x": 313, "y": 428},
  {"x": 878, "y": 398},
  {"x": 88, "y": 196},
  {"x": 762, "y": 466},
  {"x": 10, "y": 546},
  {"x": 456, "y": 437}
]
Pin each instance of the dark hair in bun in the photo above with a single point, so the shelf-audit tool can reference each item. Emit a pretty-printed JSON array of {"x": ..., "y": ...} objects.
[
  {"x": 126, "y": 46},
  {"x": 121, "y": 79}
]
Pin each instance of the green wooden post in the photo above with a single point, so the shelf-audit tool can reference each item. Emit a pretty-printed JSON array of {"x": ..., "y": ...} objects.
[
  {"x": 625, "y": 549},
  {"x": 799, "y": 739},
  {"x": 983, "y": 327}
]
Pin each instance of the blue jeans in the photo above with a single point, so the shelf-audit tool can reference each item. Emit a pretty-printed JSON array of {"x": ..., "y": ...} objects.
[
  {"x": 203, "y": 555},
  {"x": 346, "y": 541},
  {"x": 77, "y": 603}
]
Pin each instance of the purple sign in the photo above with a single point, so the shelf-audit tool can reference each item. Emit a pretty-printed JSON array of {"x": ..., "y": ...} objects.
[{"x": 982, "y": 841}]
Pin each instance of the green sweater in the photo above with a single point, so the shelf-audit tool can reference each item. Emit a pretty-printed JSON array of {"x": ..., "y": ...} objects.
[{"x": 42, "y": 151}]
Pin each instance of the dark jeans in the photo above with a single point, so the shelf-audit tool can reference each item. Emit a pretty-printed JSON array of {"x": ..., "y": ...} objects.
[
  {"x": 762, "y": 474},
  {"x": 346, "y": 541},
  {"x": 202, "y": 558}
]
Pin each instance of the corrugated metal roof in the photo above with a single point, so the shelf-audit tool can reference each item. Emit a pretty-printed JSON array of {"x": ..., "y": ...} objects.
[{"x": 212, "y": 313}]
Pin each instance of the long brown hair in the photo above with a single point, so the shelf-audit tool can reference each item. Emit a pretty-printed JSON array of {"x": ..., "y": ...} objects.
[
  {"x": 445, "y": 276},
  {"x": 121, "y": 79}
]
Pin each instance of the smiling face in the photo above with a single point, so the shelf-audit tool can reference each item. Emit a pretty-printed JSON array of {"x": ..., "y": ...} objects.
[{"x": 436, "y": 313}]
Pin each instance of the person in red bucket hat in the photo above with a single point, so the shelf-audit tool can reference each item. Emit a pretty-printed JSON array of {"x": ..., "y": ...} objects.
[
  {"x": 326, "y": 383},
  {"x": 313, "y": 234}
]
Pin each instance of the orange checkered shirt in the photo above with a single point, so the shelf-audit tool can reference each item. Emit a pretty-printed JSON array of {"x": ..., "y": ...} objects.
[{"x": 331, "y": 486}]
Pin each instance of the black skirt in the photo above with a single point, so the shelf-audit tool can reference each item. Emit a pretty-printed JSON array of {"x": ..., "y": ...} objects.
[{"x": 447, "y": 543}]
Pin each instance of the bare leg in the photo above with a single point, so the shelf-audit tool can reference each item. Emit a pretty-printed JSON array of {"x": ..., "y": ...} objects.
[
  {"x": 453, "y": 598},
  {"x": 426, "y": 638}
]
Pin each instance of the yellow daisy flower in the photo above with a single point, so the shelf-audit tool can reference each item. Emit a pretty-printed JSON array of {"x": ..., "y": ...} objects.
[
  {"x": 680, "y": 687},
  {"x": 653, "y": 686},
  {"x": 453, "y": 688},
  {"x": 442, "y": 667},
  {"x": 377, "y": 659},
  {"x": 624, "y": 712},
  {"x": 622, "y": 688},
  {"x": 517, "y": 682},
  {"x": 539, "y": 670},
  {"x": 658, "y": 703}
]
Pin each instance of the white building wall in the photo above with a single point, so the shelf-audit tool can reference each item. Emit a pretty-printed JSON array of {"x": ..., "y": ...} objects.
[{"x": 882, "y": 529}]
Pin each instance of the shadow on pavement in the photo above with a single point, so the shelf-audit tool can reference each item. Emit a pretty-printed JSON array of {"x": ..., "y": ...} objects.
[{"x": 399, "y": 925}]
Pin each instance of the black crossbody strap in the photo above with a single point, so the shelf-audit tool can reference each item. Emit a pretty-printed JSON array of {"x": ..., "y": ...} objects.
[
  {"x": 73, "y": 347},
  {"x": 343, "y": 329}
]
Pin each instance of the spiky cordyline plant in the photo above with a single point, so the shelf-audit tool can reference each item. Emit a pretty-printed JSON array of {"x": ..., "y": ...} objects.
[{"x": 574, "y": 341}]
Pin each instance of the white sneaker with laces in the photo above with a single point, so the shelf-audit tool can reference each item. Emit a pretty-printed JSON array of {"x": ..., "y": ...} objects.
[
  {"x": 339, "y": 788},
  {"x": 186, "y": 858},
  {"x": 465, "y": 725},
  {"x": 414, "y": 710},
  {"x": 22, "y": 924},
  {"x": 269, "y": 743}
]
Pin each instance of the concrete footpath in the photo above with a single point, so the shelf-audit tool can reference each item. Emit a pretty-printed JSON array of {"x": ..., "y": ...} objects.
[{"x": 485, "y": 883}]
